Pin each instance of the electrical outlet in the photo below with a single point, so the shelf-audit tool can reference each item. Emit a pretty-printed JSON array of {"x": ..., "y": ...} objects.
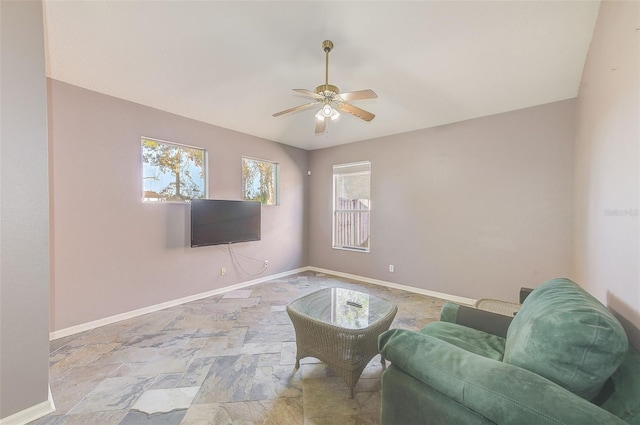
[
  {"x": 391, "y": 268},
  {"x": 223, "y": 272}
]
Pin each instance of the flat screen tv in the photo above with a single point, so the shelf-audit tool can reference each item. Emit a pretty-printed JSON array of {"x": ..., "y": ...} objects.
[{"x": 216, "y": 222}]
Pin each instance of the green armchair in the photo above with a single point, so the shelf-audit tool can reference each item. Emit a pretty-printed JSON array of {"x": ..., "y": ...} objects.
[{"x": 563, "y": 359}]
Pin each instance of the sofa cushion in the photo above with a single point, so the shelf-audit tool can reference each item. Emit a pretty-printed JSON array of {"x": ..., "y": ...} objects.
[
  {"x": 564, "y": 334},
  {"x": 469, "y": 339},
  {"x": 625, "y": 400}
]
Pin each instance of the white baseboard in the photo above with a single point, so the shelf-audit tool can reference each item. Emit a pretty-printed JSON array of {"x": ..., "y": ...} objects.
[
  {"x": 139, "y": 312},
  {"x": 448, "y": 297},
  {"x": 123, "y": 316},
  {"x": 31, "y": 414}
]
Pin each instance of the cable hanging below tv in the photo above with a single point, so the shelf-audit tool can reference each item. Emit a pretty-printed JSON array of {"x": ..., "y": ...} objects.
[{"x": 218, "y": 222}]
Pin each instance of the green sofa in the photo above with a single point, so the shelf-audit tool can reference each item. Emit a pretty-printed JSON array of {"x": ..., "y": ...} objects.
[{"x": 563, "y": 359}]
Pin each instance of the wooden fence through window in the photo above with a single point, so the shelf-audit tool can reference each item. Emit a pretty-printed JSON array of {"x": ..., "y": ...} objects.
[{"x": 352, "y": 224}]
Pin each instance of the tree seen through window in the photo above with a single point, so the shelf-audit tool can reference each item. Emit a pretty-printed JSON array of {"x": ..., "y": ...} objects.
[
  {"x": 172, "y": 172},
  {"x": 260, "y": 181}
]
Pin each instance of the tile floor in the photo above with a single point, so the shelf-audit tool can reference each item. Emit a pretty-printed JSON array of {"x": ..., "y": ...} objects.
[{"x": 226, "y": 359}]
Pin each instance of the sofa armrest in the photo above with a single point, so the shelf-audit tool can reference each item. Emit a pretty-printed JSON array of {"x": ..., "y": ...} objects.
[
  {"x": 485, "y": 321},
  {"x": 503, "y": 393}
]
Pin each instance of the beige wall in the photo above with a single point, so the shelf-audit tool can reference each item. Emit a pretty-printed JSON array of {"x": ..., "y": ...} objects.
[
  {"x": 607, "y": 178},
  {"x": 476, "y": 209},
  {"x": 113, "y": 253},
  {"x": 24, "y": 212}
]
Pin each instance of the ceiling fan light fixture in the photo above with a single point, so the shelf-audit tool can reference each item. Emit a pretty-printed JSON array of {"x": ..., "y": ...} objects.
[
  {"x": 327, "y": 111},
  {"x": 334, "y": 115}
]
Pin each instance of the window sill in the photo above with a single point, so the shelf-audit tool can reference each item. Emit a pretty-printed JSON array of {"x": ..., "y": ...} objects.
[{"x": 344, "y": 248}]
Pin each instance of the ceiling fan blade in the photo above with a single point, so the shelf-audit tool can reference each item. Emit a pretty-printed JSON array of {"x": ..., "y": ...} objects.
[
  {"x": 321, "y": 126},
  {"x": 355, "y": 111},
  {"x": 358, "y": 95},
  {"x": 309, "y": 93},
  {"x": 295, "y": 109}
]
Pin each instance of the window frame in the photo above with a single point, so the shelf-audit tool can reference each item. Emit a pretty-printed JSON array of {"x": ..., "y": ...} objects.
[
  {"x": 276, "y": 185},
  {"x": 336, "y": 211},
  {"x": 205, "y": 168}
]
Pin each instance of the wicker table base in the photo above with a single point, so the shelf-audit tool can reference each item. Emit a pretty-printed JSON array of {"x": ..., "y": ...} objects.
[{"x": 340, "y": 327}]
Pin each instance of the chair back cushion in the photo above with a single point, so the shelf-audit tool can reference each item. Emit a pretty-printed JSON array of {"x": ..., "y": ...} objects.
[{"x": 565, "y": 335}]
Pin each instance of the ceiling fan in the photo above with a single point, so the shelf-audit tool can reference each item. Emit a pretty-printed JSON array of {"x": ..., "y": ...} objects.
[{"x": 331, "y": 100}]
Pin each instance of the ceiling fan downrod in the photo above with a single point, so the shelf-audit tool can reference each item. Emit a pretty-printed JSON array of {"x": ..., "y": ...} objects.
[{"x": 327, "y": 45}]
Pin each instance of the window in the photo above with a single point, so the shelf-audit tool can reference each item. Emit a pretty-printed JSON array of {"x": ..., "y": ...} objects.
[
  {"x": 352, "y": 206},
  {"x": 260, "y": 181},
  {"x": 172, "y": 172}
]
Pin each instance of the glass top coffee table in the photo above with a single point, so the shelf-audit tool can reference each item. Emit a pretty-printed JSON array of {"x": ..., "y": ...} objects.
[{"x": 340, "y": 327}]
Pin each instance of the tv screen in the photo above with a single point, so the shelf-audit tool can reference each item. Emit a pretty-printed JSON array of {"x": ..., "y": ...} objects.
[{"x": 215, "y": 222}]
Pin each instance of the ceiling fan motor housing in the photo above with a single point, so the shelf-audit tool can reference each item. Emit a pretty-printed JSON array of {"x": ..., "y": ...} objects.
[{"x": 328, "y": 87}]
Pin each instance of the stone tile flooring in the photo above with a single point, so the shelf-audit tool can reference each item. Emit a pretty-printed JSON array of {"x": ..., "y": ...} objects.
[{"x": 226, "y": 359}]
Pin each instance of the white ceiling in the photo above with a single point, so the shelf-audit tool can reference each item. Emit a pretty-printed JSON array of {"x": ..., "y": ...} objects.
[{"x": 234, "y": 63}]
